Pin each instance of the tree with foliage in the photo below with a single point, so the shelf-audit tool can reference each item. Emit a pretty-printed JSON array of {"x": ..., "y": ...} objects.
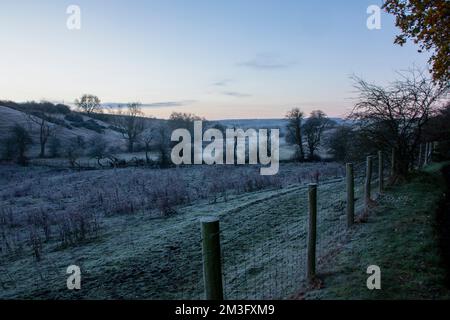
[
  {"x": 98, "y": 148},
  {"x": 393, "y": 117},
  {"x": 313, "y": 129},
  {"x": 294, "y": 131},
  {"x": 347, "y": 144},
  {"x": 341, "y": 142},
  {"x": 89, "y": 104},
  {"x": 427, "y": 23},
  {"x": 17, "y": 144},
  {"x": 438, "y": 130}
]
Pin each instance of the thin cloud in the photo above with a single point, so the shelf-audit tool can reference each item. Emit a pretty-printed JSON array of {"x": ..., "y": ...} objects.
[
  {"x": 266, "y": 62},
  {"x": 168, "y": 104},
  {"x": 236, "y": 94},
  {"x": 222, "y": 83},
  {"x": 153, "y": 105}
]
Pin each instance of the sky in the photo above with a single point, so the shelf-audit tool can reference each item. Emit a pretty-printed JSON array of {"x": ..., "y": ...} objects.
[{"x": 220, "y": 59}]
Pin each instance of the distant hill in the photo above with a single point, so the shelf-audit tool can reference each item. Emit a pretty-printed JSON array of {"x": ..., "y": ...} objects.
[
  {"x": 70, "y": 124},
  {"x": 264, "y": 123}
]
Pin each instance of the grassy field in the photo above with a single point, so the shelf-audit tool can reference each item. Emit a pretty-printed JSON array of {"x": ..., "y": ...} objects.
[
  {"x": 263, "y": 236},
  {"x": 143, "y": 255},
  {"x": 400, "y": 237},
  {"x": 140, "y": 255}
]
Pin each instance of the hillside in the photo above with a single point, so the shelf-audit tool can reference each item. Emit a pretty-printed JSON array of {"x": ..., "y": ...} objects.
[
  {"x": 65, "y": 129},
  {"x": 75, "y": 124}
]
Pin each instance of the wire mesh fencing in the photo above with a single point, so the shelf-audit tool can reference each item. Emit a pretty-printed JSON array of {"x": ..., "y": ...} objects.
[
  {"x": 264, "y": 253},
  {"x": 263, "y": 243}
]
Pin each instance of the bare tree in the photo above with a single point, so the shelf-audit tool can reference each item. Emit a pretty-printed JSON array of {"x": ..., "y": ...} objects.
[
  {"x": 89, "y": 104},
  {"x": 314, "y": 128},
  {"x": 132, "y": 124},
  {"x": 180, "y": 120},
  {"x": 393, "y": 117},
  {"x": 294, "y": 127},
  {"x": 163, "y": 142},
  {"x": 44, "y": 128},
  {"x": 148, "y": 138}
]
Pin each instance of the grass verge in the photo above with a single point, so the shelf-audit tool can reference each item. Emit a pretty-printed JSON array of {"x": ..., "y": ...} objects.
[{"x": 401, "y": 238}]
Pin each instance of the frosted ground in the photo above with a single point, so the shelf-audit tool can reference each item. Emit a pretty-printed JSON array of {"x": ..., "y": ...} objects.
[{"x": 135, "y": 232}]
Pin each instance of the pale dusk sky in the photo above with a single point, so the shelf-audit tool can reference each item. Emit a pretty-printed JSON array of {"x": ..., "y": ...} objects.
[{"x": 218, "y": 59}]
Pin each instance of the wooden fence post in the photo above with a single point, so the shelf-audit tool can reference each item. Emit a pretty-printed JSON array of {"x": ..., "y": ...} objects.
[
  {"x": 368, "y": 183},
  {"x": 312, "y": 232},
  {"x": 380, "y": 172},
  {"x": 350, "y": 195},
  {"x": 431, "y": 150},
  {"x": 212, "y": 265}
]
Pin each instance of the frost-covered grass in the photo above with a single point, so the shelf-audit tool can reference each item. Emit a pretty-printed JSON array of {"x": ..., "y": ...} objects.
[
  {"x": 139, "y": 251},
  {"x": 401, "y": 238}
]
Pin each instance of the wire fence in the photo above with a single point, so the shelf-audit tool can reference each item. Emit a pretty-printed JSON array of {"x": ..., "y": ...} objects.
[{"x": 263, "y": 244}]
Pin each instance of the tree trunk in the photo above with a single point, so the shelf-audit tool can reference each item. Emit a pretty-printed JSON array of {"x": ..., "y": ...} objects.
[
  {"x": 147, "y": 158},
  {"x": 299, "y": 138},
  {"x": 130, "y": 146},
  {"x": 311, "y": 153},
  {"x": 401, "y": 166},
  {"x": 42, "y": 153}
]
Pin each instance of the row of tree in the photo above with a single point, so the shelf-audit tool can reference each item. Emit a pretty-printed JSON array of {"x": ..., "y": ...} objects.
[
  {"x": 136, "y": 128},
  {"x": 311, "y": 131},
  {"x": 399, "y": 117}
]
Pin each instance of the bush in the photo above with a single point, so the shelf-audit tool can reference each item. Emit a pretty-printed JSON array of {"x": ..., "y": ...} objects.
[
  {"x": 17, "y": 144},
  {"x": 9, "y": 234},
  {"x": 74, "y": 117},
  {"x": 74, "y": 149},
  {"x": 55, "y": 147},
  {"x": 33, "y": 107},
  {"x": 90, "y": 125},
  {"x": 77, "y": 227},
  {"x": 41, "y": 220}
]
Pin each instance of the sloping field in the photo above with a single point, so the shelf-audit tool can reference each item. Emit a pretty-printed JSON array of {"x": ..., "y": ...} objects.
[
  {"x": 9, "y": 117},
  {"x": 141, "y": 256}
]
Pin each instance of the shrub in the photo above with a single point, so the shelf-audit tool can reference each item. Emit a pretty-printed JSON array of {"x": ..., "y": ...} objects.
[
  {"x": 37, "y": 107},
  {"x": 55, "y": 147},
  {"x": 74, "y": 117},
  {"x": 17, "y": 144},
  {"x": 90, "y": 125},
  {"x": 77, "y": 227},
  {"x": 41, "y": 220}
]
